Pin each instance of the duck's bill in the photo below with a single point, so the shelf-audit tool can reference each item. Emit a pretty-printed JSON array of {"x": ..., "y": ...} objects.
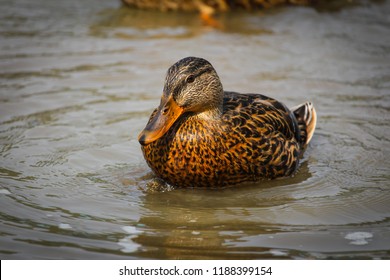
[{"x": 167, "y": 113}]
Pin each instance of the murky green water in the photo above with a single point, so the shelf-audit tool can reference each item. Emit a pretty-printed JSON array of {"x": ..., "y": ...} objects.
[{"x": 80, "y": 78}]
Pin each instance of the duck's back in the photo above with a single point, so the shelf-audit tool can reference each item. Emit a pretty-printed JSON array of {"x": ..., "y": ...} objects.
[{"x": 261, "y": 114}]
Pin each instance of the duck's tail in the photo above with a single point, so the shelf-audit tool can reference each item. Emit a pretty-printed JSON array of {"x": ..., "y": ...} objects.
[{"x": 307, "y": 118}]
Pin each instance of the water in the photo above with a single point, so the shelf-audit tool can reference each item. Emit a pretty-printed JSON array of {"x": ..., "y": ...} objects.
[{"x": 80, "y": 78}]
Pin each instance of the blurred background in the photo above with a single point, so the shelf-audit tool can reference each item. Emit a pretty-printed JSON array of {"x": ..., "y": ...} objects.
[{"x": 79, "y": 79}]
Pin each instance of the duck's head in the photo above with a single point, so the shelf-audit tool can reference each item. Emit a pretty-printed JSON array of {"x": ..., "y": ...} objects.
[{"x": 191, "y": 86}]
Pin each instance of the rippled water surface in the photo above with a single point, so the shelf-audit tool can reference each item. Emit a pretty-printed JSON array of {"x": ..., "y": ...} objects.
[{"x": 79, "y": 79}]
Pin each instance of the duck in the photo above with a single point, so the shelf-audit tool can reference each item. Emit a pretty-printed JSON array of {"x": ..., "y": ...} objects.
[{"x": 201, "y": 136}]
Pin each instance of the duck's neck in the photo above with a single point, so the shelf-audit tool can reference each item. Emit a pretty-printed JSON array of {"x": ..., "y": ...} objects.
[
  {"x": 214, "y": 107},
  {"x": 211, "y": 114}
]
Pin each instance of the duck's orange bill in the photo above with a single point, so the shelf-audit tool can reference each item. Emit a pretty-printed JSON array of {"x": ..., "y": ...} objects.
[{"x": 167, "y": 113}]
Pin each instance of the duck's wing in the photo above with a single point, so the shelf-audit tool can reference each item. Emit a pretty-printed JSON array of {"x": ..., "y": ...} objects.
[
  {"x": 260, "y": 136},
  {"x": 260, "y": 114}
]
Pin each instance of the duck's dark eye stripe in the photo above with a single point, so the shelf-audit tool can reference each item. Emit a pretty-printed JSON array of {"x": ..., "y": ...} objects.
[{"x": 191, "y": 78}]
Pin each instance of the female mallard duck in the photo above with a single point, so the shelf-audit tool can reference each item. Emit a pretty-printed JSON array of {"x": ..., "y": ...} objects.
[{"x": 203, "y": 136}]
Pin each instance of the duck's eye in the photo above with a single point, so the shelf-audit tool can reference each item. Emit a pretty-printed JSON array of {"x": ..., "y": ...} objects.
[{"x": 190, "y": 79}]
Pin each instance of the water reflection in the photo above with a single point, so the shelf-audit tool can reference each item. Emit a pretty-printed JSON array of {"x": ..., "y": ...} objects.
[
  {"x": 183, "y": 224},
  {"x": 127, "y": 23}
]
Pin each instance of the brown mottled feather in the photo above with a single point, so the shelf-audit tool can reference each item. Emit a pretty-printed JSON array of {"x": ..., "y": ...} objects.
[{"x": 254, "y": 139}]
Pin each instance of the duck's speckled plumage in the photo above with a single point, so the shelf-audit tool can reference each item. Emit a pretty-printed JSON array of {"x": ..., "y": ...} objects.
[{"x": 242, "y": 137}]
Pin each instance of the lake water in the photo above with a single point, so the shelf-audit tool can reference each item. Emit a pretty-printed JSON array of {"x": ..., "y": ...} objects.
[{"x": 79, "y": 79}]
